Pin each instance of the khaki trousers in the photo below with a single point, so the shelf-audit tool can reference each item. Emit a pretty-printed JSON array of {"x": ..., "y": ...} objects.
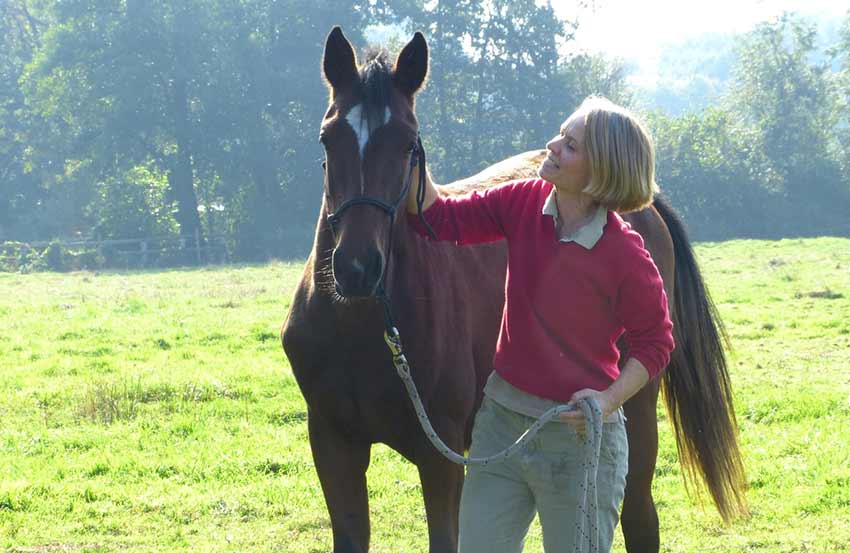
[{"x": 499, "y": 500}]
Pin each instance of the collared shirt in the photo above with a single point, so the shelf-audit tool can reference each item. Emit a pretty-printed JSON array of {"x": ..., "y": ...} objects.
[
  {"x": 503, "y": 392},
  {"x": 588, "y": 234},
  {"x": 566, "y": 306}
]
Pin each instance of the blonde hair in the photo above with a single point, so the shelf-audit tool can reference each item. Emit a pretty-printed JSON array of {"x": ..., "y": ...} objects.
[{"x": 621, "y": 154}]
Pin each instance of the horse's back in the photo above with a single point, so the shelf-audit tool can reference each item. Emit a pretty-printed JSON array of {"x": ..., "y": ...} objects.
[{"x": 520, "y": 166}]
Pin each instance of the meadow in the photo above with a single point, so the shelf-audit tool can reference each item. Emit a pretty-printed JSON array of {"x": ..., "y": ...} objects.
[{"x": 155, "y": 411}]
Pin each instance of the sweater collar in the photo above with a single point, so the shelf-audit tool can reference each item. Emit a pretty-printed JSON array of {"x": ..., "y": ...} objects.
[{"x": 586, "y": 236}]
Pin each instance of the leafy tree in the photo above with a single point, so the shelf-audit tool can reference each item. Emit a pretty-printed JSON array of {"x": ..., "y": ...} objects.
[
  {"x": 498, "y": 83},
  {"x": 20, "y": 189},
  {"x": 842, "y": 53},
  {"x": 215, "y": 94},
  {"x": 791, "y": 102},
  {"x": 715, "y": 173}
]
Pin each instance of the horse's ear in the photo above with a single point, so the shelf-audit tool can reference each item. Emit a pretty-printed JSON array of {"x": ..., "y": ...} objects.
[
  {"x": 411, "y": 67},
  {"x": 339, "y": 61}
]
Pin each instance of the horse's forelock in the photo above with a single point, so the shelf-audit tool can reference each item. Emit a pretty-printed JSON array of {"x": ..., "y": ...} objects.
[{"x": 375, "y": 87}]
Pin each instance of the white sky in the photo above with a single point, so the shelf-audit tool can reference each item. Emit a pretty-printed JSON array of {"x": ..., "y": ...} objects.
[{"x": 636, "y": 30}]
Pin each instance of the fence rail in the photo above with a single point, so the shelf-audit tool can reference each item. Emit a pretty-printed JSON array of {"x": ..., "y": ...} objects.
[{"x": 93, "y": 253}]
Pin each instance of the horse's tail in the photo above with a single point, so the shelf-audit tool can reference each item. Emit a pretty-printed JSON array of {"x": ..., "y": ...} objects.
[{"x": 696, "y": 384}]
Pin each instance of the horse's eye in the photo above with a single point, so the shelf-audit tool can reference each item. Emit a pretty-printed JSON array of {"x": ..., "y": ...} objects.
[
  {"x": 410, "y": 147},
  {"x": 324, "y": 165}
]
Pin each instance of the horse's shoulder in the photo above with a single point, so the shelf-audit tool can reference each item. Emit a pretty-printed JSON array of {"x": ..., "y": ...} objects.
[{"x": 520, "y": 166}]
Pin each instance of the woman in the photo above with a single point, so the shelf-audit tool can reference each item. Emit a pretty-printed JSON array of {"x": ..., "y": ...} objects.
[{"x": 578, "y": 279}]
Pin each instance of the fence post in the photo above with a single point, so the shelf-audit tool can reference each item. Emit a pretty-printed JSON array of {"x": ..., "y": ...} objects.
[
  {"x": 101, "y": 258},
  {"x": 144, "y": 246},
  {"x": 198, "y": 244}
]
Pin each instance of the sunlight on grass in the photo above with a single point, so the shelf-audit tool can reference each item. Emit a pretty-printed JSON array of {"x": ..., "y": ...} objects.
[{"x": 155, "y": 411}]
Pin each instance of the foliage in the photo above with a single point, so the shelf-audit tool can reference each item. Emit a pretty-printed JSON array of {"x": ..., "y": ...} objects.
[
  {"x": 713, "y": 171},
  {"x": 221, "y": 99},
  {"x": 792, "y": 104},
  {"x": 132, "y": 205},
  {"x": 146, "y": 117},
  {"x": 770, "y": 161}
]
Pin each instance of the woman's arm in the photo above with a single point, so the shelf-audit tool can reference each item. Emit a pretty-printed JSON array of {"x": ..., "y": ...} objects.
[
  {"x": 431, "y": 194},
  {"x": 641, "y": 307},
  {"x": 473, "y": 218},
  {"x": 633, "y": 377}
]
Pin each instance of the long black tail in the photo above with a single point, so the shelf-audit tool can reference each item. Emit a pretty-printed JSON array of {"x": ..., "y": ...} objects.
[{"x": 696, "y": 384}]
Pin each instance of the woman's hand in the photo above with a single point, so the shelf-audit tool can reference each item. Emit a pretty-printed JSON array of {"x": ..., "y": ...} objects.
[
  {"x": 575, "y": 417},
  {"x": 633, "y": 377}
]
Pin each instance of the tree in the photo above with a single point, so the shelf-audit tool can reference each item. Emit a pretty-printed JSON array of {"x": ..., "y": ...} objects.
[
  {"x": 715, "y": 174},
  {"x": 113, "y": 84},
  {"x": 842, "y": 52},
  {"x": 20, "y": 189},
  {"x": 792, "y": 104},
  {"x": 499, "y": 80}
]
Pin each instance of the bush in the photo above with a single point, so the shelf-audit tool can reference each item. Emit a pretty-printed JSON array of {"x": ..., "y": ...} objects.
[{"x": 53, "y": 258}]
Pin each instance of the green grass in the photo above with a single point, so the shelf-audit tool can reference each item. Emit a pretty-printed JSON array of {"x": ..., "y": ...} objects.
[{"x": 155, "y": 411}]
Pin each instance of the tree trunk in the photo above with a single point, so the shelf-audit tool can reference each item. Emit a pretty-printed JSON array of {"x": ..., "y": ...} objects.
[{"x": 180, "y": 178}]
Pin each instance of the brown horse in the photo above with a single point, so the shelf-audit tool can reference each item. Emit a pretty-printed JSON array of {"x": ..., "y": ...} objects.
[{"x": 447, "y": 301}]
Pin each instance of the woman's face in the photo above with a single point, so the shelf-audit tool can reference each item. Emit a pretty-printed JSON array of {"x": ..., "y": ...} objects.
[{"x": 567, "y": 165}]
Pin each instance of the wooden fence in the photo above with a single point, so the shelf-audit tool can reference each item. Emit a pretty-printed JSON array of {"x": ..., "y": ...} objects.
[{"x": 93, "y": 253}]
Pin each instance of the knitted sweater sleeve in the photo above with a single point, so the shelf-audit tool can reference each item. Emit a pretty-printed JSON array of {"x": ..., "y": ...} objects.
[
  {"x": 641, "y": 307},
  {"x": 472, "y": 218}
]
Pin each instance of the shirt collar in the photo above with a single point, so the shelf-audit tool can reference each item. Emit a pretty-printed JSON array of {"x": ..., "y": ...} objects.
[{"x": 586, "y": 236}]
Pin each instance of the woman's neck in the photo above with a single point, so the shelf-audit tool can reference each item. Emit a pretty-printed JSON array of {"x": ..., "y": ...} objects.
[{"x": 574, "y": 209}]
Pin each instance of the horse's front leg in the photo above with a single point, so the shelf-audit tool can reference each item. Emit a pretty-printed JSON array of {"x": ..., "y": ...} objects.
[
  {"x": 442, "y": 481},
  {"x": 341, "y": 465},
  {"x": 639, "y": 518}
]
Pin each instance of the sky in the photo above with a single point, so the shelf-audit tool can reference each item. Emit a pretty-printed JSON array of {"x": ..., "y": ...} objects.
[{"x": 637, "y": 30}]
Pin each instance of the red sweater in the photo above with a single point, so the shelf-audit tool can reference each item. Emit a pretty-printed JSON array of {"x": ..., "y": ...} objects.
[{"x": 565, "y": 306}]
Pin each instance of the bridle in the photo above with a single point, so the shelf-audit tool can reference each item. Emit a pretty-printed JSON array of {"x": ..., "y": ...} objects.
[{"x": 417, "y": 158}]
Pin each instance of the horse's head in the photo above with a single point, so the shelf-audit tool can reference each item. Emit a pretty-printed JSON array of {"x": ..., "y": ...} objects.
[{"x": 369, "y": 133}]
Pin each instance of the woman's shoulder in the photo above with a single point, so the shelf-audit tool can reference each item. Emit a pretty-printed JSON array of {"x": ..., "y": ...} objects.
[
  {"x": 624, "y": 245},
  {"x": 521, "y": 191},
  {"x": 527, "y": 185}
]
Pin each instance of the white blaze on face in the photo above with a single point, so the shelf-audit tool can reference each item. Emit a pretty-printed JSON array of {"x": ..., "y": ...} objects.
[{"x": 361, "y": 127}]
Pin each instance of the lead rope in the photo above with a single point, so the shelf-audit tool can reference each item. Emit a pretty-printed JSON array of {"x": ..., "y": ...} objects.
[
  {"x": 587, "y": 515},
  {"x": 587, "y": 528}
]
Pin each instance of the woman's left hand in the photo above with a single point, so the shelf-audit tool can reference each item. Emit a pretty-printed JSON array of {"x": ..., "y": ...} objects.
[{"x": 576, "y": 418}]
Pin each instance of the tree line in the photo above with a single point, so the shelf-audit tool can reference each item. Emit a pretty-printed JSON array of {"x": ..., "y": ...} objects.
[{"x": 136, "y": 118}]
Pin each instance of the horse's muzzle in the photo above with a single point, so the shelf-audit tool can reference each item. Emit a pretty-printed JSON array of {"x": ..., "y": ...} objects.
[{"x": 357, "y": 277}]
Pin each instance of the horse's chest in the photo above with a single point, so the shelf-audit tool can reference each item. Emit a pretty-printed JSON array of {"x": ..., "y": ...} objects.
[{"x": 361, "y": 392}]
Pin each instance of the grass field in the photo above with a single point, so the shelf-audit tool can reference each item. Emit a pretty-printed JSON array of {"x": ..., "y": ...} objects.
[{"x": 155, "y": 411}]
